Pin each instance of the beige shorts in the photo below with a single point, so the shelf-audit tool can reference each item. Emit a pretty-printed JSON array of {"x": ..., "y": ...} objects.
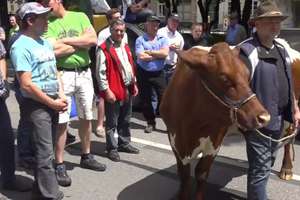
[{"x": 79, "y": 85}]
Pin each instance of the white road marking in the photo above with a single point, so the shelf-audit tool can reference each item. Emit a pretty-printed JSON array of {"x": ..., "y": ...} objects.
[
  {"x": 220, "y": 159},
  {"x": 153, "y": 144}
]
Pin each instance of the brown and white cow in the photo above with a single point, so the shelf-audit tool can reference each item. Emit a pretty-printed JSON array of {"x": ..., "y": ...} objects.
[{"x": 207, "y": 93}]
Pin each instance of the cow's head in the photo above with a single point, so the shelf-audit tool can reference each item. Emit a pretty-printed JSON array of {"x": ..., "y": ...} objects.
[{"x": 226, "y": 78}]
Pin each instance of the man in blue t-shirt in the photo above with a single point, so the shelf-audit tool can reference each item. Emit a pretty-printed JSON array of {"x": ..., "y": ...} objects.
[
  {"x": 151, "y": 50},
  {"x": 34, "y": 61}
]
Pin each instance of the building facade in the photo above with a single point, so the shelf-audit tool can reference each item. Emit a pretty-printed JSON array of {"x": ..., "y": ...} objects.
[{"x": 188, "y": 10}]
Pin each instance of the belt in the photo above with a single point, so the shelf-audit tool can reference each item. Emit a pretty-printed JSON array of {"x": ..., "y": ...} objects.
[{"x": 76, "y": 69}]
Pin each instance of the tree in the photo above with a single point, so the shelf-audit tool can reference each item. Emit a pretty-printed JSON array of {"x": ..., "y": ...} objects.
[
  {"x": 171, "y": 6},
  {"x": 236, "y": 7},
  {"x": 246, "y": 13},
  {"x": 3, "y": 13},
  {"x": 204, "y": 10},
  {"x": 205, "y": 6}
]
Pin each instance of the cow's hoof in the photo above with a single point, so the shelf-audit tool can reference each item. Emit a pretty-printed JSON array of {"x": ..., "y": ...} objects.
[{"x": 286, "y": 174}]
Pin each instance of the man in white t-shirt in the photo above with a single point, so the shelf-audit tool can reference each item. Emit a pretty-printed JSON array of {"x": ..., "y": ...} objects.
[{"x": 175, "y": 40}]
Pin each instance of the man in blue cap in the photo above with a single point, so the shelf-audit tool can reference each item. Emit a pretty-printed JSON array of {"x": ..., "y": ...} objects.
[{"x": 151, "y": 50}]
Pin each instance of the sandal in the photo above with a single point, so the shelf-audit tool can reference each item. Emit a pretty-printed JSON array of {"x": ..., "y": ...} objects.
[{"x": 100, "y": 132}]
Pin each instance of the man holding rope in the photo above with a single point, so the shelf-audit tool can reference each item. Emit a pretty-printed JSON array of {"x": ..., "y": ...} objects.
[{"x": 271, "y": 80}]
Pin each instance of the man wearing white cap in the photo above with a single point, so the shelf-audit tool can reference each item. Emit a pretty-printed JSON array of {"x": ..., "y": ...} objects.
[
  {"x": 175, "y": 40},
  {"x": 34, "y": 61},
  {"x": 271, "y": 80}
]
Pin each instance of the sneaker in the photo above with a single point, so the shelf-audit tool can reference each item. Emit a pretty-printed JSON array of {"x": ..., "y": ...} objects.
[
  {"x": 149, "y": 128},
  {"x": 113, "y": 155},
  {"x": 91, "y": 163},
  {"x": 129, "y": 149},
  {"x": 62, "y": 176},
  {"x": 100, "y": 132}
]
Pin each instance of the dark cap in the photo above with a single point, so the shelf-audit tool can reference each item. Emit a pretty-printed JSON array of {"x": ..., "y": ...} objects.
[
  {"x": 268, "y": 9},
  {"x": 32, "y": 8},
  {"x": 153, "y": 18},
  {"x": 174, "y": 16}
]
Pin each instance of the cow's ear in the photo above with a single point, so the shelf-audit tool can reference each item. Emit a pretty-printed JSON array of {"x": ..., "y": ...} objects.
[
  {"x": 236, "y": 51},
  {"x": 195, "y": 58}
]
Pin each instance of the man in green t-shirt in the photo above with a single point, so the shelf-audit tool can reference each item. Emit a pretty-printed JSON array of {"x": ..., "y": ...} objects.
[{"x": 72, "y": 34}]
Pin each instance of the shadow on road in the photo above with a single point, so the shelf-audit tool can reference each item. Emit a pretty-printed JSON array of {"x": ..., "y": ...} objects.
[
  {"x": 13, "y": 195},
  {"x": 159, "y": 187},
  {"x": 97, "y": 148}
]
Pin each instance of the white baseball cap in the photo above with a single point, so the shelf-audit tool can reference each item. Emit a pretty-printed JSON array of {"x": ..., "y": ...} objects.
[{"x": 32, "y": 8}]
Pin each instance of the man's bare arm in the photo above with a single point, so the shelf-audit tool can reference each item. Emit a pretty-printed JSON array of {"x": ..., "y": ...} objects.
[
  {"x": 3, "y": 68},
  {"x": 61, "y": 49},
  {"x": 86, "y": 40},
  {"x": 161, "y": 54},
  {"x": 145, "y": 57},
  {"x": 27, "y": 85},
  {"x": 135, "y": 8}
]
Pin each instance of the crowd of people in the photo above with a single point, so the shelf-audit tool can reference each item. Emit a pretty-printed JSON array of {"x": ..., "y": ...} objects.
[{"x": 50, "y": 55}]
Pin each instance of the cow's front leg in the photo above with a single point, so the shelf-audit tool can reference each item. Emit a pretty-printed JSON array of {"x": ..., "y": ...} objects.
[
  {"x": 184, "y": 173},
  {"x": 201, "y": 174},
  {"x": 286, "y": 172}
]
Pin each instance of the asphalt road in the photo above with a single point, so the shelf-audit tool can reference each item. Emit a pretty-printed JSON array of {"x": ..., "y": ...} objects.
[{"x": 151, "y": 175}]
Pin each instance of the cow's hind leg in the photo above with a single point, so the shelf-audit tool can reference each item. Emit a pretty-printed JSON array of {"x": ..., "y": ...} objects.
[
  {"x": 287, "y": 165},
  {"x": 184, "y": 173},
  {"x": 201, "y": 174}
]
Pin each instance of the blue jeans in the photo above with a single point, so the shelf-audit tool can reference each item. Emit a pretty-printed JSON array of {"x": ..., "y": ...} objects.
[
  {"x": 169, "y": 70},
  {"x": 118, "y": 116},
  {"x": 261, "y": 155},
  {"x": 44, "y": 121},
  {"x": 25, "y": 128},
  {"x": 7, "y": 148},
  {"x": 149, "y": 83}
]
